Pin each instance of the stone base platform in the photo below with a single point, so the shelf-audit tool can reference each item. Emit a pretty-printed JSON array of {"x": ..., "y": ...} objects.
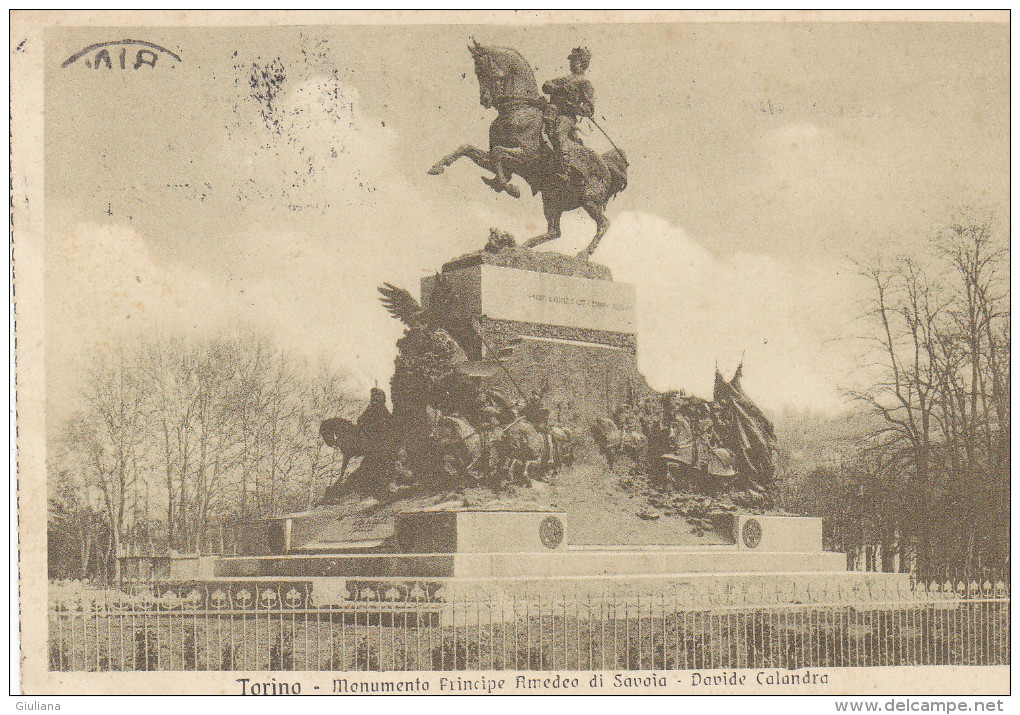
[
  {"x": 566, "y": 563},
  {"x": 465, "y": 543},
  {"x": 489, "y": 561}
]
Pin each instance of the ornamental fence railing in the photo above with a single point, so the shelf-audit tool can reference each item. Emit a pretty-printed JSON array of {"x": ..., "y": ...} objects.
[{"x": 427, "y": 626}]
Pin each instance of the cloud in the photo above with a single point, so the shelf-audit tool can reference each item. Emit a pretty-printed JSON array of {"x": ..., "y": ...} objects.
[
  {"x": 102, "y": 282},
  {"x": 106, "y": 286},
  {"x": 697, "y": 309},
  {"x": 305, "y": 216}
]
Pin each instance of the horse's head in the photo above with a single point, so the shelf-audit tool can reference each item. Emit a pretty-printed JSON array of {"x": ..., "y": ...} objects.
[
  {"x": 486, "y": 72},
  {"x": 501, "y": 73},
  {"x": 339, "y": 433}
]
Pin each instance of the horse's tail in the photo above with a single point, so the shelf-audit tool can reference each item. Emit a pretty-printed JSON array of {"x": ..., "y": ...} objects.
[{"x": 617, "y": 163}]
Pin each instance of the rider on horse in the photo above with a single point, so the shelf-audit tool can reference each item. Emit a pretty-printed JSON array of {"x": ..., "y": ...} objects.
[
  {"x": 376, "y": 431},
  {"x": 374, "y": 422},
  {"x": 570, "y": 97},
  {"x": 569, "y": 175}
]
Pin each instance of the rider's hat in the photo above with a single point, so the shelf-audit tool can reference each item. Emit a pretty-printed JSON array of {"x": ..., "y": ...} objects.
[
  {"x": 376, "y": 392},
  {"x": 581, "y": 53}
]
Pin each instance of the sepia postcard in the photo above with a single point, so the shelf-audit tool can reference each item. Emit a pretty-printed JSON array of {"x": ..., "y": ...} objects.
[{"x": 513, "y": 353}]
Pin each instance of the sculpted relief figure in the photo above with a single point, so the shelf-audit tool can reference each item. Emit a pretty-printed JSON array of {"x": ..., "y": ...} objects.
[
  {"x": 445, "y": 428},
  {"x": 374, "y": 437},
  {"x": 374, "y": 422},
  {"x": 536, "y": 138}
]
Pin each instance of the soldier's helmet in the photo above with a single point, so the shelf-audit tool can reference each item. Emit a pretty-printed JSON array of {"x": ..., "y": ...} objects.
[
  {"x": 582, "y": 54},
  {"x": 376, "y": 394}
]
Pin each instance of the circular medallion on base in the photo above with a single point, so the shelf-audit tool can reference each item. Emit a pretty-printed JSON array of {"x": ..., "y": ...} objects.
[
  {"x": 550, "y": 531},
  {"x": 751, "y": 533}
]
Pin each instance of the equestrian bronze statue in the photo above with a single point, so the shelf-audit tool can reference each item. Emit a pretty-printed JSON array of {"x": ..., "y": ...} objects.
[{"x": 536, "y": 138}]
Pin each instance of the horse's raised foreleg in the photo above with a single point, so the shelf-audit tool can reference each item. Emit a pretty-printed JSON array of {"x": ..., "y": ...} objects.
[
  {"x": 552, "y": 217},
  {"x": 499, "y": 155},
  {"x": 473, "y": 153},
  {"x": 598, "y": 214}
]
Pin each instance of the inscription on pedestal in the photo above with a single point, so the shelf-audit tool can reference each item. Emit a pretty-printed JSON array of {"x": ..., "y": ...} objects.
[{"x": 510, "y": 294}]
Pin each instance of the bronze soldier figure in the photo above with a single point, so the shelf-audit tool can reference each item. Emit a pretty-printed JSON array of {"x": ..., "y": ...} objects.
[
  {"x": 570, "y": 97},
  {"x": 535, "y": 411},
  {"x": 375, "y": 429},
  {"x": 376, "y": 417}
]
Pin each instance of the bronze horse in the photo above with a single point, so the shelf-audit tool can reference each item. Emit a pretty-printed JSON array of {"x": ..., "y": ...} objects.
[
  {"x": 343, "y": 435},
  {"x": 614, "y": 441},
  {"x": 379, "y": 448},
  {"x": 530, "y": 454},
  {"x": 516, "y": 146}
]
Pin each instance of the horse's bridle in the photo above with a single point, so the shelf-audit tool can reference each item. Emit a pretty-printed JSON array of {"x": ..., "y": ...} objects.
[{"x": 502, "y": 101}]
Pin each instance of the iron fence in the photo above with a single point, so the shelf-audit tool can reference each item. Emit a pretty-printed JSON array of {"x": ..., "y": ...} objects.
[{"x": 430, "y": 626}]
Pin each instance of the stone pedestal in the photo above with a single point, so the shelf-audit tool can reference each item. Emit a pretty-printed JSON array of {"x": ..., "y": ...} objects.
[
  {"x": 581, "y": 309},
  {"x": 573, "y": 328}
]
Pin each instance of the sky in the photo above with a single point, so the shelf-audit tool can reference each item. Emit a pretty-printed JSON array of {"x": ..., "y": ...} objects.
[{"x": 765, "y": 160}]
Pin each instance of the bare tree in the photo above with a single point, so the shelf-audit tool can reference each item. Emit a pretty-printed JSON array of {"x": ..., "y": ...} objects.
[
  {"x": 939, "y": 336},
  {"x": 76, "y": 527},
  {"x": 107, "y": 438},
  {"x": 181, "y": 435}
]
